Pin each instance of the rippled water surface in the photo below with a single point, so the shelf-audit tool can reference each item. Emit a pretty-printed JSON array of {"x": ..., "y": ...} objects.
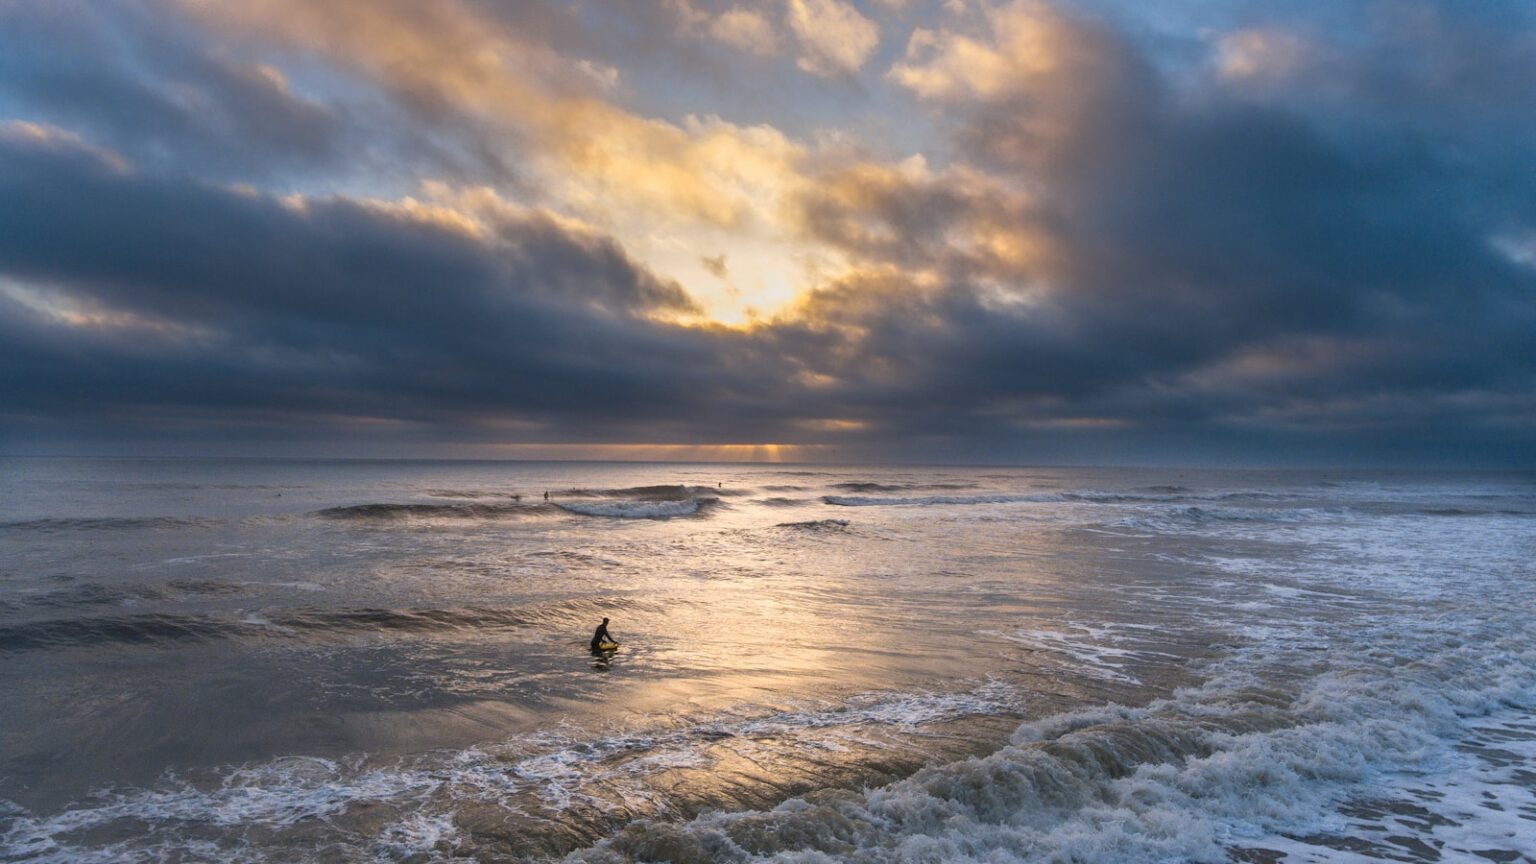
[{"x": 387, "y": 661}]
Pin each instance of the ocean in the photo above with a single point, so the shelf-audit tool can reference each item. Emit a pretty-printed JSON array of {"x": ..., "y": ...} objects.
[{"x": 350, "y": 661}]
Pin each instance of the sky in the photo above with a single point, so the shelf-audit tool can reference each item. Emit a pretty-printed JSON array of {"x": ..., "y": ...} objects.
[{"x": 985, "y": 231}]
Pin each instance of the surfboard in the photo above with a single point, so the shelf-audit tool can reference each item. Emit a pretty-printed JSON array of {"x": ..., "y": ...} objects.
[{"x": 607, "y": 646}]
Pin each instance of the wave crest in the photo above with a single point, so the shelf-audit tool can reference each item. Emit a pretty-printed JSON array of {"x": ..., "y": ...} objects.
[
  {"x": 870, "y": 486},
  {"x": 388, "y": 511},
  {"x": 816, "y": 525},
  {"x": 933, "y": 500},
  {"x": 1238, "y": 759},
  {"x": 636, "y": 509},
  {"x": 664, "y": 492}
]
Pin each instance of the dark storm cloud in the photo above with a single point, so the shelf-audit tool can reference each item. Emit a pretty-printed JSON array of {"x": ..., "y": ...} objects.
[
  {"x": 130, "y": 290},
  {"x": 141, "y": 81},
  {"x": 1225, "y": 260},
  {"x": 1123, "y": 262}
]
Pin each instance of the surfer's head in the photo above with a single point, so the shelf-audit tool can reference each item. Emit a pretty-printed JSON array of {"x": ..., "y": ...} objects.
[{"x": 605, "y": 620}]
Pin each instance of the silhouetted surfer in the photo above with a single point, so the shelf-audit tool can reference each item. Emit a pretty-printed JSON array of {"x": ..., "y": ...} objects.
[{"x": 601, "y": 635}]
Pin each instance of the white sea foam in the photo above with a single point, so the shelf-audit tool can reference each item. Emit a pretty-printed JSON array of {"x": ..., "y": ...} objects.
[
  {"x": 554, "y": 769},
  {"x": 1477, "y": 804},
  {"x": 1235, "y": 762},
  {"x": 1355, "y": 655},
  {"x": 1099, "y": 650}
]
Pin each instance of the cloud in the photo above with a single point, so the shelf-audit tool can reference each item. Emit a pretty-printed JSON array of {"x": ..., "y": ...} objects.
[
  {"x": 446, "y": 60},
  {"x": 121, "y": 73},
  {"x": 1260, "y": 54},
  {"x": 745, "y": 30},
  {"x": 127, "y": 290},
  {"x": 955, "y": 224},
  {"x": 834, "y": 37},
  {"x": 1109, "y": 246},
  {"x": 653, "y": 183},
  {"x": 946, "y": 65},
  {"x": 1036, "y": 88},
  {"x": 1190, "y": 258}
]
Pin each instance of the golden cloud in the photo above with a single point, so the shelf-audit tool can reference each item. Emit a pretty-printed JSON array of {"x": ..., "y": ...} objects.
[{"x": 835, "y": 38}]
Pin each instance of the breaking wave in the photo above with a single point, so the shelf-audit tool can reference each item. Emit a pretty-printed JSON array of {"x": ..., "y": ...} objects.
[
  {"x": 865, "y": 486},
  {"x": 816, "y": 525},
  {"x": 643, "y": 504},
  {"x": 1193, "y": 517},
  {"x": 933, "y": 500},
  {"x": 388, "y": 511},
  {"x": 636, "y": 509},
  {"x": 1257, "y": 757},
  {"x": 673, "y": 492},
  {"x": 547, "y": 774},
  {"x": 1230, "y": 765},
  {"x": 782, "y": 502}
]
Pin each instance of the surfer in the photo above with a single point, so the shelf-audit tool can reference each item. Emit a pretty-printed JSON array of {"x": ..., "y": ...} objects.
[{"x": 601, "y": 635}]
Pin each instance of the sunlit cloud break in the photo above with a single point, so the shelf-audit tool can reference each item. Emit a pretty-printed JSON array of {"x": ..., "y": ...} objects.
[{"x": 770, "y": 230}]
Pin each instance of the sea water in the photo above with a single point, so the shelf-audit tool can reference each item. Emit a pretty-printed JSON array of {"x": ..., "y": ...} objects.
[{"x": 387, "y": 661}]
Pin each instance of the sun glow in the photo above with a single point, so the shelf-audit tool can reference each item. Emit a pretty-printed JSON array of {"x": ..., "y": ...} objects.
[{"x": 763, "y": 452}]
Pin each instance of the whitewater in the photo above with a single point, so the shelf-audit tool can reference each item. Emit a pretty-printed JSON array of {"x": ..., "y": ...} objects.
[{"x": 353, "y": 661}]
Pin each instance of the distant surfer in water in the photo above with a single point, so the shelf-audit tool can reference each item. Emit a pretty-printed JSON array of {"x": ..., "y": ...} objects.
[{"x": 601, "y": 635}]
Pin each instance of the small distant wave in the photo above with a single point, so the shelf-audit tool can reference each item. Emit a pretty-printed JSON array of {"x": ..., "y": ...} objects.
[
  {"x": 111, "y": 523},
  {"x": 1265, "y": 514},
  {"x": 1113, "y": 498},
  {"x": 155, "y": 629},
  {"x": 865, "y": 486},
  {"x": 1098, "y": 497},
  {"x": 119, "y": 630},
  {"x": 643, "y": 503},
  {"x": 1167, "y": 494},
  {"x": 87, "y": 594},
  {"x": 1253, "y": 495},
  {"x": 386, "y": 511},
  {"x": 932, "y": 500},
  {"x": 1183, "y": 518},
  {"x": 781, "y": 502},
  {"x": 1468, "y": 511},
  {"x": 816, "y": 525},
  {"x": 571, "y": 556},
  {"x": 205, "y": 587},
  {"x": 675, "y": 492},
  {"x": 635, "y": 509},
  {"x": 470, "y": 494},
  {"x": 785, "y": 488}
]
